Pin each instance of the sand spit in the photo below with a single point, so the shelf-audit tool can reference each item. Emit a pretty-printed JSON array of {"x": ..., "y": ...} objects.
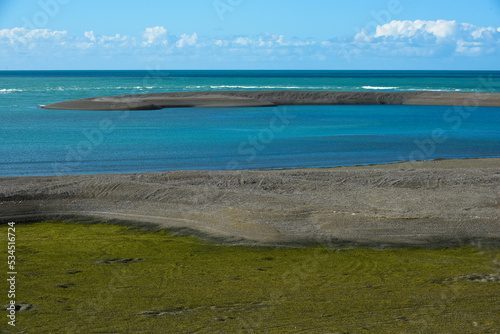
[
  {"x": 276, "y": 98},
  {"x": 437, "y": 203}
]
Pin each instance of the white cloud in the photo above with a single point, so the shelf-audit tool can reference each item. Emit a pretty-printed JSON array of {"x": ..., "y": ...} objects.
[
  {"x": 243, "y": 41},
  {"x": 469, "y": 48},
  {"x": 90, "y": 35},
  {"x": 88, "y": 42},
  {"x": 155, "y": 35},
  {"x": 31, "y": 38},
  {"x": 269, "y": 41},
  {"x": 441, "y": 28},
  {"x": 187, "y": 40},
  {"x": 479, "y": 33},
  {"x": 429, "y": 38},
  {"x": 221, "y": 43},
  {"x": 404, "y": 29},
  {"x": 363, "y": 36},
  {"x": 423, "y": 39},
  {"x": 265, "y": 41}
]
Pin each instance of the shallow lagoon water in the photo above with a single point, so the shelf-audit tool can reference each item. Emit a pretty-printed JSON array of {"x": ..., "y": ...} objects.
[{"x": 89, "y": 142}]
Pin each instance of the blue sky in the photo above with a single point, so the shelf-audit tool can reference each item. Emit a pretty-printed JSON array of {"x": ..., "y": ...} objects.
[{"x": 250, "y": 34}]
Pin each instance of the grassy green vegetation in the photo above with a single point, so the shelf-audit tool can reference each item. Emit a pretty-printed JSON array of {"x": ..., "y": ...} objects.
[{"x": 115, "y": 279}]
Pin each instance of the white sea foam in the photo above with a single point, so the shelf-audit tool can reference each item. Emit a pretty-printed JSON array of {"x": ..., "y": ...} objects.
[
  {"x": 260, "y": 87},
  {"x": 138, "y": 87},
  {"x": 7, "y": 91},
  {"x": 440, "y": 90},
  {"x": 378, "y": 88},
  {"x": 50, "y": 89},
  {"x": 255, "y": 87}
]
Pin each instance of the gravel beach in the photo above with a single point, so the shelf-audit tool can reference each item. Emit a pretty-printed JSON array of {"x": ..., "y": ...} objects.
[
  {"x": 425, "y": 204},
  {"x": 276, "y": 98}
]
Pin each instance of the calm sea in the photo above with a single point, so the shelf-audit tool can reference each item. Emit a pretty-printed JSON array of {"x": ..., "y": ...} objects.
[{"x": 51, "y": 142}]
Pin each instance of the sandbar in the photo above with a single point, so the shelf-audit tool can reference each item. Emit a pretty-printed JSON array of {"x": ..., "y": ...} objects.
[
  {"x": 277, "y": 98},
  {"x": 421, "y": 204}
]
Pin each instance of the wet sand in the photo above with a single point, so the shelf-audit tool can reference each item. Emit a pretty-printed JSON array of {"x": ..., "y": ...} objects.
[
  {"x": 425, "y": 204},
  {"x": 276, "y": 98}
]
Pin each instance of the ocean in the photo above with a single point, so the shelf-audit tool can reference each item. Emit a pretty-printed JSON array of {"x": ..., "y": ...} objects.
[{"x": 36, "y": 141}]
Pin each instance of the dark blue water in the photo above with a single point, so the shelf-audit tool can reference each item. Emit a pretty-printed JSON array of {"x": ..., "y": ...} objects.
[{"x": 50, "y": 142}]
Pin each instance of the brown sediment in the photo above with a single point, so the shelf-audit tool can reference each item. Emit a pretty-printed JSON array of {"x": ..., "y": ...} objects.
[
  {"x": 436, "y": 203},
  {"x": 276, "y": 98}
]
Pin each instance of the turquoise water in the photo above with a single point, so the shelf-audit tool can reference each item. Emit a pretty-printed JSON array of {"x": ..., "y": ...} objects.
[{"x": 51, "y": 142}]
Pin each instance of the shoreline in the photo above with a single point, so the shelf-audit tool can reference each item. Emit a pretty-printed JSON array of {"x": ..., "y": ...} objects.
[
  {"x": 417, "y": 204},
  {"x": 238, "y": 99},
  {"x": 450, "y": 162}
]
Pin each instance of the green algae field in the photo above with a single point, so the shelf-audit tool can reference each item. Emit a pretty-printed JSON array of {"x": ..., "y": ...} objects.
[{"x": 99, "y": 278}]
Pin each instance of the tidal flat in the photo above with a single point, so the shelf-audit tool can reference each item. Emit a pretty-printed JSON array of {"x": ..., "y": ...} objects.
[{"x": 101, "y": 278}]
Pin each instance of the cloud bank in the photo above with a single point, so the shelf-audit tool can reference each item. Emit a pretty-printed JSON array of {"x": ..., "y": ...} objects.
[
  {"x": 427, "y": 38},
  {"x": 420, "y": 38}
]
